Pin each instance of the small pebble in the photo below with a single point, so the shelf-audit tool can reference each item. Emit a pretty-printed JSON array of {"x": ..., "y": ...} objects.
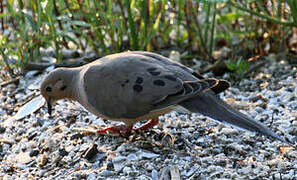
[
  {"x": 63, "y": 152},
  {"x": 154, "y": 174},
  {"x": 2, "y": 129},
  {"x": 106, "y": 173},
  {"x": 126, "y": 170},
  {"x": 92, "y": 176},
  {"x": 91, "y": 152},
  {"x": 34, "y": 152},
  {"x": 119, "y": 162}
]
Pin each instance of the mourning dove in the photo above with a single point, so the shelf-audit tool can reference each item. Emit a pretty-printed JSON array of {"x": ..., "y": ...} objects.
[{"x": 135, "y": 86}]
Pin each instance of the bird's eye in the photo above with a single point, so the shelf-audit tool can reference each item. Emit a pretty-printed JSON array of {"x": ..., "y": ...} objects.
[{"x": 48, "y": 89}]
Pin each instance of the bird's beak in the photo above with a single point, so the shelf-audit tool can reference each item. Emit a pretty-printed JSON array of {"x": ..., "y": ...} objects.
[{"x": 49, "y": 107}]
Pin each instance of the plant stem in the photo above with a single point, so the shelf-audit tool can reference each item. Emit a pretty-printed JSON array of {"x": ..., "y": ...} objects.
[
  {"x": 188, "y": 17},
  {"x": 5, "y": 59},
  {"x": 206, "y": 30},
  {"x": 2, "y": 19},
  {"x": 213, "y": 28},
  {"x": 132, "y": 26},
  {"x": 268, "y": 18}
]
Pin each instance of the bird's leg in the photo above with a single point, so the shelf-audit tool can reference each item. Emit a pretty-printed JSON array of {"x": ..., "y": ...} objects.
[
  {"x": 121, "y": 130},
  {"x": 151, "y": 123},
  {"x": 116, "y": 130}
]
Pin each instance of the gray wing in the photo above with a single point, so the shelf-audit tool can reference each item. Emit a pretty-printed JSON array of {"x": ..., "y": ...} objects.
[
  {"x": 182, "y": 71},
  {"x": 130, "y": 85},
  {"x": 211, "y": 105}
]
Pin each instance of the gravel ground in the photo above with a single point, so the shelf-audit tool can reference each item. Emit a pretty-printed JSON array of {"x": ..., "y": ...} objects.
[{"x": 180, "y": 147}]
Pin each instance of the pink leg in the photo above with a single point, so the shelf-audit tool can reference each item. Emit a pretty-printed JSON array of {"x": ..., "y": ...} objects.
[
  {"x": 115, "y": 130},
  {"x": 151, "y": 123}
]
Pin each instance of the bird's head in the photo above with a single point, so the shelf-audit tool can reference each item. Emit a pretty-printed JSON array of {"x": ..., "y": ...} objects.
[{"x": 55, "y": 86}]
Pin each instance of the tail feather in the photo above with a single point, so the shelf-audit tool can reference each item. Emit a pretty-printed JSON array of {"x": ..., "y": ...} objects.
[{"x": 210, "y": 105}]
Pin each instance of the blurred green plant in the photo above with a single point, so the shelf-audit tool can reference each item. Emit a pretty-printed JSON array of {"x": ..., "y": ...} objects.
[
  {"x": 260, "y": 8},
  {"x": 105, "y": 26},
  {"x": 200, "y": 34},
  {"x": 293, "y": 7},
  {"x": 239, "y": 67},
  {"x": 267, "y": 24},
  {"x": 197, "y": 27}
]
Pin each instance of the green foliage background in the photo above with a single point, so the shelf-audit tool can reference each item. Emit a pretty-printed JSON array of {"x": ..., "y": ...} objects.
[{"x": 106, "y": 26}]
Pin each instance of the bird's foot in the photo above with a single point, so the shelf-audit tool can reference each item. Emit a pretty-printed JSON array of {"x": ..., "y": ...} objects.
[
  {"x": 116, "y": 130},
  {"x": 151, "y": 123},
  {"x": 121, "y": 130}
]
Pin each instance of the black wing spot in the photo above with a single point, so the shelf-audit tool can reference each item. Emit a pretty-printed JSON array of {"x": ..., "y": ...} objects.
[
  {"x": 151, "y": 69},
  {"x": 159, "y": 82},
  {"x": 155, "y": 73},
  {"x": 137, "y": 88},
  {"x": 123, "y": 84},
  {"x": 139, "y": 80},
  {"x": 170, "y": 77}
]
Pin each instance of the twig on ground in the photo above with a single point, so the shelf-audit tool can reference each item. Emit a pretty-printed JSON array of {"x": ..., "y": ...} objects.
[{"x": 15, "y": 81}]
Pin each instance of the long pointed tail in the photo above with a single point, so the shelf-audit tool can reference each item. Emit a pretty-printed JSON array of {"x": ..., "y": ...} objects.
[{"x": 210, "y": 105}]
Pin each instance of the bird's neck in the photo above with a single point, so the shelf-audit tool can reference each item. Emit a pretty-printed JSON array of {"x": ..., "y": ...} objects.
[{"x": 72, "y": 82}]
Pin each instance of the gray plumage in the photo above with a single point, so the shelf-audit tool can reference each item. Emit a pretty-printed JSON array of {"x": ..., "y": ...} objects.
[{"x": 134, "y": 86}]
